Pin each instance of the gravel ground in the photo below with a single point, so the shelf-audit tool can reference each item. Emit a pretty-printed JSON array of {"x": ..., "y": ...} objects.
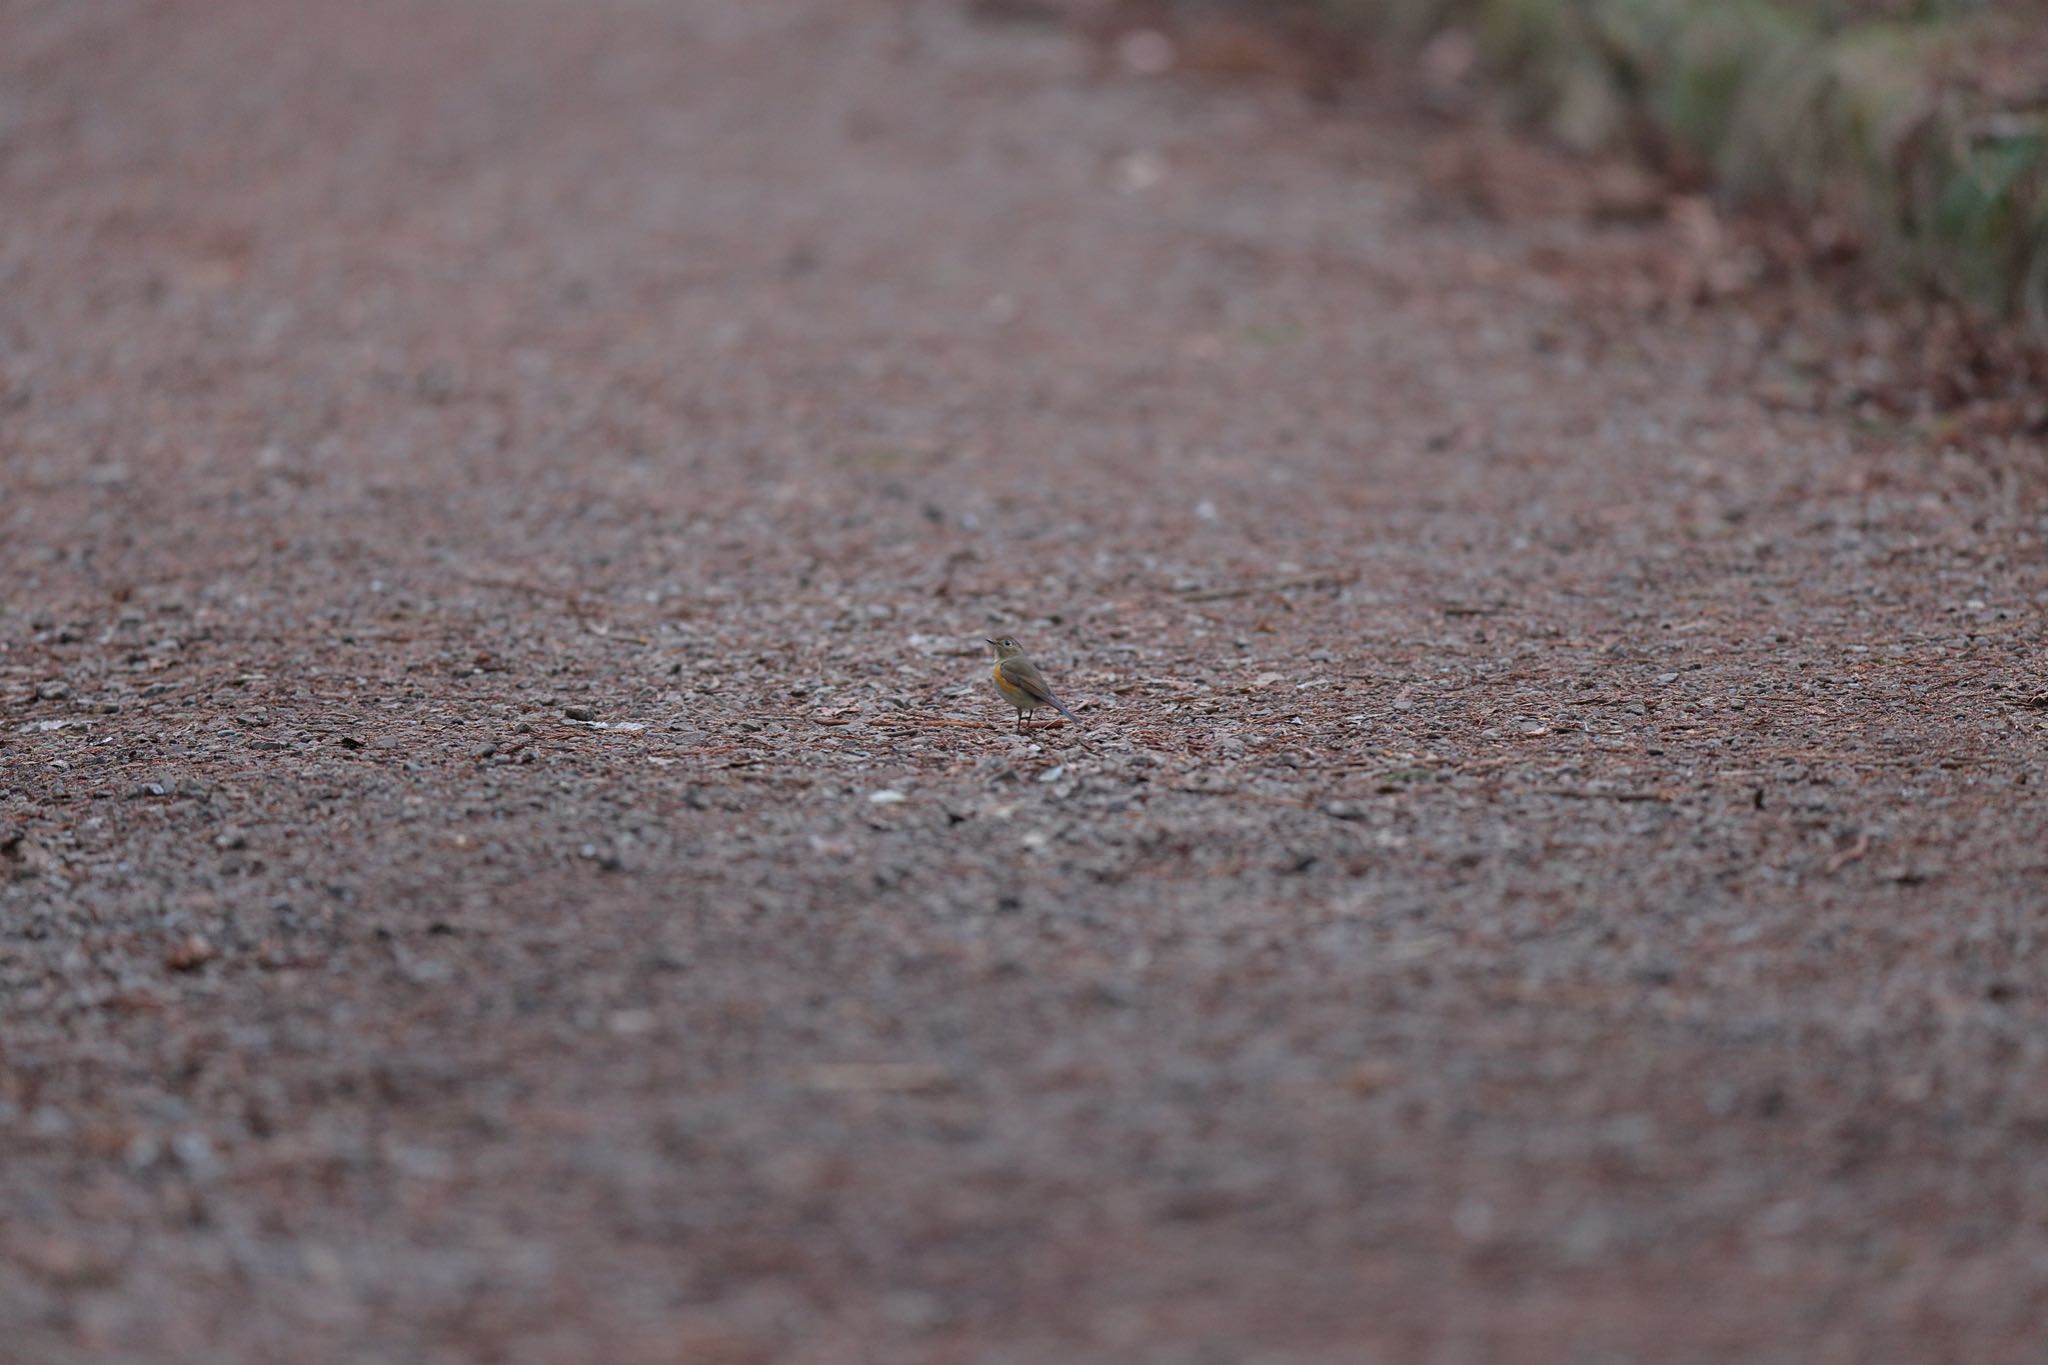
[{"x": 508, "y": 852}]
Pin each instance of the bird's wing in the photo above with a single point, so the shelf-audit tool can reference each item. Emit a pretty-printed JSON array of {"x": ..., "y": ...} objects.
[{"x": 1023, "y": 675}]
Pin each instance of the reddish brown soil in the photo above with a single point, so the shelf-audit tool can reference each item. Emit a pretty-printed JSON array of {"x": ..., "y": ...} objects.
[{"x": 1551, "y": 866}]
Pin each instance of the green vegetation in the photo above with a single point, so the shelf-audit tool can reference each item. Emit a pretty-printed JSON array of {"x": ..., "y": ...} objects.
[{"x": 1918, "y": 123}]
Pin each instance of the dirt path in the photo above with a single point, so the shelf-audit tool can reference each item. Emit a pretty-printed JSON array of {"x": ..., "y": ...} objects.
[{"x": 507, "y": 852}]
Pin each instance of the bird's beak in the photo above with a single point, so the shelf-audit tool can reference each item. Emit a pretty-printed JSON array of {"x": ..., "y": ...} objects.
[{"x": 988, "y": 642}]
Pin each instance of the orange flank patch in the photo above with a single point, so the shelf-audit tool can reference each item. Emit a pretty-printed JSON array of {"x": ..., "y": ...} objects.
[{"x": 1016, "y": 695}]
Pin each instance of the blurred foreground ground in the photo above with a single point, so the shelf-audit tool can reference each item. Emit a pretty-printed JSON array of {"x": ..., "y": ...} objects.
[{"x": 507, "y": 852}]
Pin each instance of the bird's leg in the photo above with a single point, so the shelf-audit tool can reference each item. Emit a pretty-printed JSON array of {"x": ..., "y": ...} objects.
[{"x": 1020, "y": 722}]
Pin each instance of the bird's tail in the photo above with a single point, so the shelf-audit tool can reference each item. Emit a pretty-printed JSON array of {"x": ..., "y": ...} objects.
[{"x": 1063, "y": 710}]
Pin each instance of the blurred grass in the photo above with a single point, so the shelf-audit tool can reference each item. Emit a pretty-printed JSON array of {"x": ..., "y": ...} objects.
[{"x": 1921, "y": 123}]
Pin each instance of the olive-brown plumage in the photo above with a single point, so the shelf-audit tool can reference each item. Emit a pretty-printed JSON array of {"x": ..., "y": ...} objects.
[{"x": 1020, "y": 682}]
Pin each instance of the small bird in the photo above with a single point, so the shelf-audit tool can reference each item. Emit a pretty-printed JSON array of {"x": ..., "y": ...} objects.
[{"x": 1020, "y": 682}]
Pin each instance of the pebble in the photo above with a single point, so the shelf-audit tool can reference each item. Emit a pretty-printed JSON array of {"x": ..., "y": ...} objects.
[
  {"x": 190, "y": 953},
  {"x": 912, "y": 1310},
  {"x": 47, "y": 1121},
  {"x": 194, "y": 1152}
]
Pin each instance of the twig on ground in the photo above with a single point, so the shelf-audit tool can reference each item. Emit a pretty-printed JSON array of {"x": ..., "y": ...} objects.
[
  {"x": 1593, "y": 794},
  {"x": 1849, "y": 855},
  {"x": 1312, "y": 580},
  {"x": 568, "y": 596}
]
